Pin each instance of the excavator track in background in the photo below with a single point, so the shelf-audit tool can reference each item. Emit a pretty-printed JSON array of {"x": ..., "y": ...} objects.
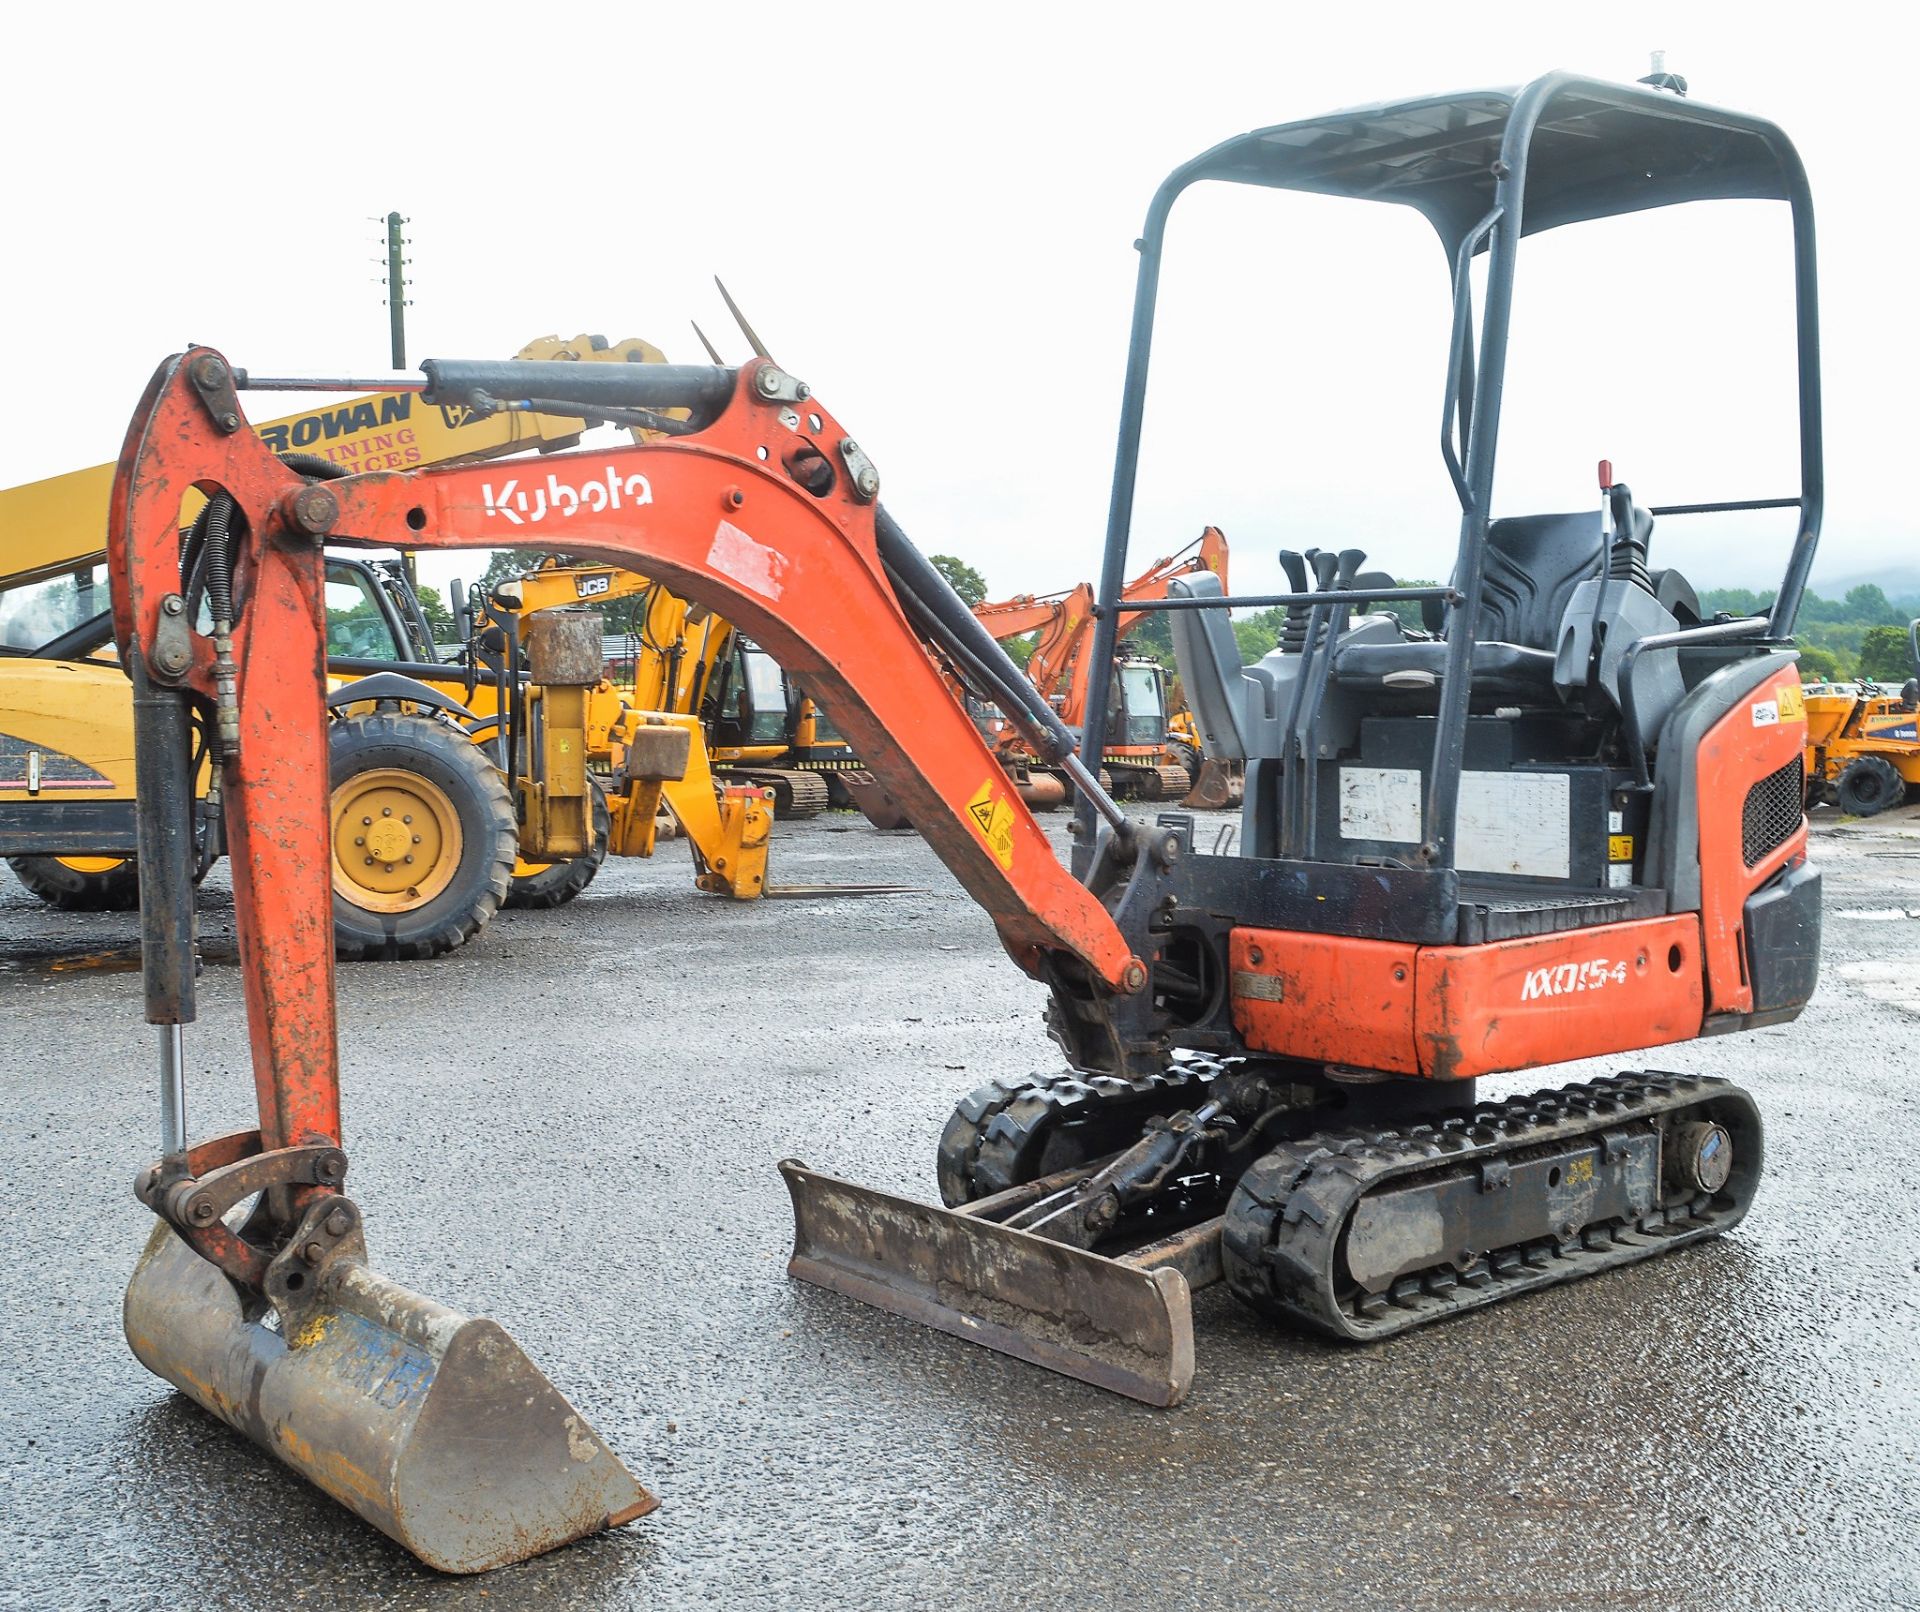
[
  {"x": 1166, "y": 781},
  {"x": 795, "y": 794}
]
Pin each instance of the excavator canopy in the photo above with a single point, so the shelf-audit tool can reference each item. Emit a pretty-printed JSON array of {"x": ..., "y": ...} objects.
[{"x": 1596, "y": 151}]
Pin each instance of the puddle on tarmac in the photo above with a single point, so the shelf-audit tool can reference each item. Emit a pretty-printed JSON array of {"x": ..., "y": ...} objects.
[{"x": 17, "y": 959}]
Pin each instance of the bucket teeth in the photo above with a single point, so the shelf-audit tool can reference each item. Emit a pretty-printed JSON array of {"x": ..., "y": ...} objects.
[{"x": 434, "y": 1426}]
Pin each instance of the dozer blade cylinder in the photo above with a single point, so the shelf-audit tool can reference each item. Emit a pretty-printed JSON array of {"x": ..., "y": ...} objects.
[
  {"x": 432, "y": 1425},
  {"x": 1117, "y": 1325}
]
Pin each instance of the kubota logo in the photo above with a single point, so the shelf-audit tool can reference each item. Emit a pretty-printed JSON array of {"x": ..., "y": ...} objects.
[
  {"x": 526, "y": 506},
  {"x": 1565, "y": 978}
]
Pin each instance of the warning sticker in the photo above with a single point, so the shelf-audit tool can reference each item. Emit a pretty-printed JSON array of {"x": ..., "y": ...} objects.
[
  {"x": 993, "y": 821},
  {"x": 1792, "y": 705},
  {"x": 1619, "y": 847}
]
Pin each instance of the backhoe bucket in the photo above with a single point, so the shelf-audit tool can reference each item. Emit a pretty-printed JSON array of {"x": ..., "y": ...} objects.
[
  {"x": 432, "y": 1425},
  {"x": 1122, "y": 1324}
]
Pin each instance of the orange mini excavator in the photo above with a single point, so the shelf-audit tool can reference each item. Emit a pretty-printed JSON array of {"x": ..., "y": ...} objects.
[
  {"x": 1140, "y": 764},
  {"x": 1563, "y": 822}
]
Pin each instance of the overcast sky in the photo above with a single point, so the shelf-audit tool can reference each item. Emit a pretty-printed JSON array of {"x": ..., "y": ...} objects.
[{"x": 928, "y": 214}]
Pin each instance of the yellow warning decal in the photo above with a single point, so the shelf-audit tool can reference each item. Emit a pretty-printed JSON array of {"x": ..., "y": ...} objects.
[
  {"x": 993, "y": 821},
  {"x": 1793, "y": 705},
  {"x": 1619, "y": 847}
]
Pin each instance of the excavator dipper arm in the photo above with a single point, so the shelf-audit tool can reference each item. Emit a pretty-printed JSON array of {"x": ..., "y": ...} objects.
[{"x": 764, "y": 511}]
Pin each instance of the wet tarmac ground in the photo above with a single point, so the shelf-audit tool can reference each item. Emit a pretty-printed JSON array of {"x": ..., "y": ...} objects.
[{"x": 572, "y": 1125}]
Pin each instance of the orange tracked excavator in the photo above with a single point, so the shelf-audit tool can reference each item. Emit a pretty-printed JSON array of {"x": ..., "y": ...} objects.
[
  {"x": 1140, "y": 761},
  {"x": 1564, "y": 824}
]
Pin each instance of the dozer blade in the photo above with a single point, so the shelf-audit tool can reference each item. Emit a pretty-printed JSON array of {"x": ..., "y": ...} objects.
[
  {"x": 1122, "y": 1324},
  {"x": 432, "y": 1425}
]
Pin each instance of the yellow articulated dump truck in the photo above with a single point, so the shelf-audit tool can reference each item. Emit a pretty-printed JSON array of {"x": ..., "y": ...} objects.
[{"x": 457, "y": 786}]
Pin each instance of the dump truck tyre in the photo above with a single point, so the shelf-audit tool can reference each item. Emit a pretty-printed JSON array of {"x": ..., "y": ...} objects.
[
  {"x": 1869, "y": 785},
  {"x": 554, "y": 884},
  {"x": 407, "y": 786},
  {"x": 97, "y": 884}
]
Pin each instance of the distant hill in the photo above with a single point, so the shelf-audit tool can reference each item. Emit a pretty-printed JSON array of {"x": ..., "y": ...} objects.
[{"x": 1900, "y": 583}]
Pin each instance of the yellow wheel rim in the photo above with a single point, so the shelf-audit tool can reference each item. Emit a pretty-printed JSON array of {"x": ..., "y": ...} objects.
[
  {"x": 396, "y": 840},
  {"x": 92, "y": 864}
]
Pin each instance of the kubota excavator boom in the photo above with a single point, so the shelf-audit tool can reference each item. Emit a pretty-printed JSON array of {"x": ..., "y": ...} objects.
[{"x": 1272, "y": 1052}]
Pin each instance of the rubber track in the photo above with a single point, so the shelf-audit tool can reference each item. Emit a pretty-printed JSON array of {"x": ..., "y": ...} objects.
[
  {"x": 806, "y": 791},
  {"x": 995, "y": 1132},
  {"x": 1282, "y": 1240}
]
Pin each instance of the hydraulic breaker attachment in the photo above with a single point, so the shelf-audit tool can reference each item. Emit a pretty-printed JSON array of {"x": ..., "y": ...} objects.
[
  {"x": 1124, "y": 1324},
  {"x": 432, "y": 1425}
]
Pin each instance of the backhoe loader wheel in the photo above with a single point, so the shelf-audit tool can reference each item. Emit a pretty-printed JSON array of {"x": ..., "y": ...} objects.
[
  {"x": 554, "y": 884},
  {"x": 1870, "y": 784},
  {"x": 1009, "y": 1132},
  {"x": 423, "y": 836},
  {"x": 81, "y": 883}
]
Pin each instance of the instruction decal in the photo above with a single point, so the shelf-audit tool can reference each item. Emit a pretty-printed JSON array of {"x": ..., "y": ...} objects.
[
  {"x": 1766, "y": 713},
  {"x": 993, "y": 822}
]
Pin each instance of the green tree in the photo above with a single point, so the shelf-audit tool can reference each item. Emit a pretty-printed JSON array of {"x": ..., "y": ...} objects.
[
  {"x": 1868, "y": 603},
  {"x": 1818, "y": 665},
  {"x": 961, "y": 577},
  {"x": 1257, "y": 634},
  {"x": 433, "y": 606},
  {"x": 1884, "y": 653}
]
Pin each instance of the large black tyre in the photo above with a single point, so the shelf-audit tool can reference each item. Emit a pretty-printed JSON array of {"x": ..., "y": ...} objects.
[
  {"x": 554, "y": 884},
  {"x": 422, "y": 836},
  {"x": 1870, "y": 784},
  {"x": 93, "y": 888}
]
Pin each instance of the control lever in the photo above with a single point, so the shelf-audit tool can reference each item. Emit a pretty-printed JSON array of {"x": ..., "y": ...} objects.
[
  {"x": 1326, "y": 566},
  {"x": 1293, "y": 633}
]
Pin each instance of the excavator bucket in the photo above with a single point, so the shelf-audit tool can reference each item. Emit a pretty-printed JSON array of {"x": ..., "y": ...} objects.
[
  {"x": 1216, "y": 786},
  {"x": 1123, "y": 1324},
  {"x": 432, "y": 1425}
]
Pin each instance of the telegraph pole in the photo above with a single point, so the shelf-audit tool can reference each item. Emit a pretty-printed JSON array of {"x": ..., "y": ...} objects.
[
  {"x": 396, "y": 290},
  {"x": 397, "y": 333}
]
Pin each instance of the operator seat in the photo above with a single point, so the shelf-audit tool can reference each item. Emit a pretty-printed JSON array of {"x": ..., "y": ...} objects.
[{"x": 1533, "y": 565}]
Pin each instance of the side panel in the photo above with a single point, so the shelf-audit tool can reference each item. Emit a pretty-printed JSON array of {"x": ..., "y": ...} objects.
[
  {"x": 1763, "y": 734},
  {"x": 1518, "y": 1004},
  {"x": 1326, "y": 998}
]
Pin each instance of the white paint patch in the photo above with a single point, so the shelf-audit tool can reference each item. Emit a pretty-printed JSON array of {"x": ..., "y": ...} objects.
[
  {"x": 1515, "y": 822},
  {"x": 753, "y": 565},
  {"x": 1380, "y": 803},
  {"x": 1766, "y": 713}
]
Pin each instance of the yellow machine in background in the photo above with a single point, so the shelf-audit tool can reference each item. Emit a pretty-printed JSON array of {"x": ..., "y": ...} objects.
[
  {"x": 1863, "y": 744},
  {"x": 414, "y": 741},
  {"x": 760, "y": 728}
]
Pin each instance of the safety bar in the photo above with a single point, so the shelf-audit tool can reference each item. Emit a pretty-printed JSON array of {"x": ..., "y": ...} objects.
[{"x": 1265, "y": 601}]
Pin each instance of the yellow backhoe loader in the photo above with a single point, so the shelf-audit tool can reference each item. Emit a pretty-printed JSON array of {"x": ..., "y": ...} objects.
[{"x": 518, "y": 820}]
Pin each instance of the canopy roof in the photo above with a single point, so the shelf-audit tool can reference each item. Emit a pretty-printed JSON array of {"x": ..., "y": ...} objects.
[{"x": 1597, "y": 150}]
